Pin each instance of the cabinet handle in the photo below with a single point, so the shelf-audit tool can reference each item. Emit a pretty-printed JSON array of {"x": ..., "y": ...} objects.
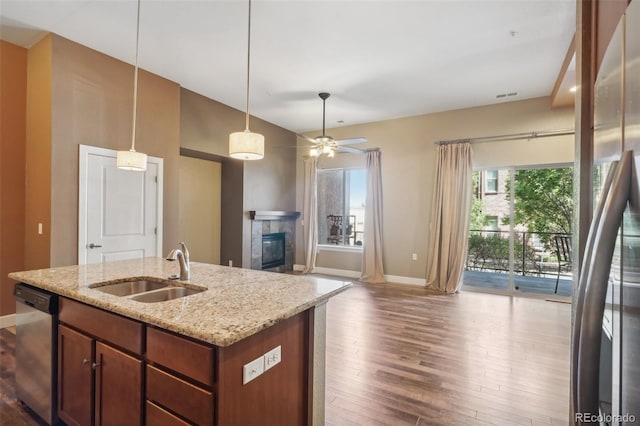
[
  {"x": 85, "y": 361},
  {"x": 94, "y": 245},
  {"x": 95, "y": 365}
]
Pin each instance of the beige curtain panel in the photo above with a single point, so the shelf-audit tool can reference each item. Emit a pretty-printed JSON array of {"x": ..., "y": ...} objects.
[
  {"x": 450, "y": 216},
  {"x": 310, "y": 214},
  {"x": 372, "y": 271}
]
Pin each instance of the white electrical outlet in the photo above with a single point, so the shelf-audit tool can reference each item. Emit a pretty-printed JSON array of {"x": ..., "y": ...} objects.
[
  {"x": 252, "y": 370},
  {"x": 272, "y": 358},
  {"x": 414, "y": 256}
]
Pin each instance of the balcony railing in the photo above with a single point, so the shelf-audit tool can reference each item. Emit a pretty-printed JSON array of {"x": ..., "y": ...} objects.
[{"x": 535, "y": 253}]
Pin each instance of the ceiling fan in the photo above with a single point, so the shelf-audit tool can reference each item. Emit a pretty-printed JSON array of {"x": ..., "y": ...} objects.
[{"x": 325, "y": 144}]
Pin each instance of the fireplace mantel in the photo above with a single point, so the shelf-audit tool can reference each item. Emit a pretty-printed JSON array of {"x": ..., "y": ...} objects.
[{"x": 273, "y": 215}]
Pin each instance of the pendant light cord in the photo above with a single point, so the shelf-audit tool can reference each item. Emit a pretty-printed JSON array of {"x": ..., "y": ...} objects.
[
  {"x": 135, "y": 83},
  {"x": 248, "y": 66}
]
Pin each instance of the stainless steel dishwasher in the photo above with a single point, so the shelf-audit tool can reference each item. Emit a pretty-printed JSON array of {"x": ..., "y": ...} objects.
[{"x": 37, "y": 350}]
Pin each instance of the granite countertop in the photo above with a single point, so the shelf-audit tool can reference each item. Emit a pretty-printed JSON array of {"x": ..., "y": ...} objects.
[{"x": 237, "y": 303}]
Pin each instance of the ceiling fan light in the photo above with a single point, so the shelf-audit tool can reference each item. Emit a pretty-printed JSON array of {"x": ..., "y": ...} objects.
[
  {"x": 326, "y": 149},
  {"x": 331, "y": 154},
  {"x": 314, "y": 152},
  {"x": 246, "y": 145},
  {"x": 131, "y": 160}
]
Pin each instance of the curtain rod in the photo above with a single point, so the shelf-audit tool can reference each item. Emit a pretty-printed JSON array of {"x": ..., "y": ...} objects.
[{"x": 511, "y": 137}]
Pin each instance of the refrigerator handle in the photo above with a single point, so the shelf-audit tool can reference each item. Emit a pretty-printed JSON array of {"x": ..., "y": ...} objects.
[
  {"x": 595, "y": 290},
  {"x": 584, "y": 275}
]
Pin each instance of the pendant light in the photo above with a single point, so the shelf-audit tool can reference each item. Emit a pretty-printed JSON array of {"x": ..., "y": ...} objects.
[
  {"x": 133, "y": 160},
  {"x": 247, "y": 145}
]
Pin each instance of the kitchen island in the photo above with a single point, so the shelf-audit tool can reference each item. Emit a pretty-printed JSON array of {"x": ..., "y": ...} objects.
[{"x": 248, "y": 349}]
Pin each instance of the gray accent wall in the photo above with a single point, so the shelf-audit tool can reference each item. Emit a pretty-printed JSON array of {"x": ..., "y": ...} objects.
[{"x": 267, "y": 184}]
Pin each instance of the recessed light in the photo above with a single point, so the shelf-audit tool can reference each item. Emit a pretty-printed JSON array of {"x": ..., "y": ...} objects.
[{"x": 573, "y": 89}]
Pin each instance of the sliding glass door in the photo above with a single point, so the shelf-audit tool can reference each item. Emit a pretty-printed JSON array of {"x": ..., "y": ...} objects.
[{"x": 520, "y": 233}]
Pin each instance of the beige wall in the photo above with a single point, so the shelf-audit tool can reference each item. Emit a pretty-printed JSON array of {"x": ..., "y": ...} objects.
[
  {"x": 38, "y": 156},
  {"x": 79, "y": 96},
  {"x": 268, "y": 184},
  {"x": 408, "y": 167},
  {"x": 13, "y": 115},
  {"x": 199, "y": 208}
]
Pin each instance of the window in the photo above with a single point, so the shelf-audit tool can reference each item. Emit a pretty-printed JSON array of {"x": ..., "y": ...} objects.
[
  {"x": 491, "y": 181},
  {"x": 491, "y": 223},
  {"x": 341, "y": 195}
]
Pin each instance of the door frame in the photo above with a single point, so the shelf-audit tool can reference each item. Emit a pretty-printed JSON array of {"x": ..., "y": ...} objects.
[
  {"x": 83, "y": 157},
  {"x": 510, "y": 290}
]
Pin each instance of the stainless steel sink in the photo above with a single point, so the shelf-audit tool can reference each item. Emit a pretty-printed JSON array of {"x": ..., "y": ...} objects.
[
  {"x": 128, "y": 288},
  {"x": 166, "y": 294}
]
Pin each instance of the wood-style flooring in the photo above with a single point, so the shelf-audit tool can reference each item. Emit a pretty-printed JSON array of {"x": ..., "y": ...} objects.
[{"x": 400, "y": 355}]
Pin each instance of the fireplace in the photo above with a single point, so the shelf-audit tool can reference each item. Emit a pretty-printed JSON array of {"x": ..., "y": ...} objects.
[
  {"x": 273, "y": 250},
  {"x": 273, "y": 236}
]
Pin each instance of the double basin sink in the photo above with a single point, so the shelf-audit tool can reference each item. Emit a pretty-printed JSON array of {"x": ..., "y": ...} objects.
[{"x": 147, "y": 291}]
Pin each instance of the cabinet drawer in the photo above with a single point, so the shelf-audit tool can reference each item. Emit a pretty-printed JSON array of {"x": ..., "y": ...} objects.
[
  {"x": 182, "y": 355},
  {"x": 156, "y": 416},
  {"x": 113, "y": 328},
  {"x": 179, "y": 396}
]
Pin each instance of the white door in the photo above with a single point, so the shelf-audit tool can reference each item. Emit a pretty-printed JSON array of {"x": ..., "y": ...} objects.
[{"x": 119, "y": 211}]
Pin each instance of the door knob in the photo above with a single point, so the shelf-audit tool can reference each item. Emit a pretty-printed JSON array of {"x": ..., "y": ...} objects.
[{"x": 94, "y": 245}]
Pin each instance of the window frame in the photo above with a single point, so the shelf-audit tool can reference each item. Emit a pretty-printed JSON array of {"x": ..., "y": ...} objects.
[
  {"x": 487, "y": 179},
  {"x": 326, "y": 246}
]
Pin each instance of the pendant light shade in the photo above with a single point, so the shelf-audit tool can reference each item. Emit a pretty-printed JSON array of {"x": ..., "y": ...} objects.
[
  {"x": 132, "y": 160},
  {"x": 247, "y": 145}
]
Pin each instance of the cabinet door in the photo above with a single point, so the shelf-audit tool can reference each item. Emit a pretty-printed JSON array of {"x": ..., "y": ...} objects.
[
  {"x": 75, "y": 355},
  {"x": 118, "y": 396}
]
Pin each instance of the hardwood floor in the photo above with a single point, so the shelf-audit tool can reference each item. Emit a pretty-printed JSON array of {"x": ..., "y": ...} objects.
[{"x": 400, "y": 355}]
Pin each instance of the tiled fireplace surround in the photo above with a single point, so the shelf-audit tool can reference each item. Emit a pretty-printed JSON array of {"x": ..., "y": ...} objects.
[{"x": 268, "y": 222}]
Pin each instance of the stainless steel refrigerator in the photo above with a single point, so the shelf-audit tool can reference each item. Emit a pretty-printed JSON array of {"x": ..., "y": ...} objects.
[{"x": 606, "y": 334}]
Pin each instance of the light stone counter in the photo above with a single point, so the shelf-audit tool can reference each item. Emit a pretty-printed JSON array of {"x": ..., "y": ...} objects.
[{"x": 237, "y": 303}]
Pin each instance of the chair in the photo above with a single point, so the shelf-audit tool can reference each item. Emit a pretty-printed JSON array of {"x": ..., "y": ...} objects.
[
  {"x": 335, "y": 223},
  {"x": 335, "y": 229},
  {"x": 564, "y": 254}
]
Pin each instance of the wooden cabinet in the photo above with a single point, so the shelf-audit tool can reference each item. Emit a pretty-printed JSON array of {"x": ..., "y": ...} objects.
[
  {"x": 180, "y": 379},
  {"x": 75, "y": 384},
  {"x": 98, "y": 383},
  {"x": 117, "y": 371},
  {"x": 118, "y": 389}
]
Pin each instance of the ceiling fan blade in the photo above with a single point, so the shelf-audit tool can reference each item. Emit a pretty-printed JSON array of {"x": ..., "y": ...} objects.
[
  {"x": 350, "y": 150},
  {"x": 307, "y": 138},
  {"x": 350, "y": 141}
]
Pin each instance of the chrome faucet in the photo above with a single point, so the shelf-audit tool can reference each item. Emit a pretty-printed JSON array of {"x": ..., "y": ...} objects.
[{"x": 182, "y": 256}]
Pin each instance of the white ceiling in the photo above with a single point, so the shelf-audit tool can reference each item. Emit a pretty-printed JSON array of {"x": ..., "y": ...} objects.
[{"x": 378, "y": 59}]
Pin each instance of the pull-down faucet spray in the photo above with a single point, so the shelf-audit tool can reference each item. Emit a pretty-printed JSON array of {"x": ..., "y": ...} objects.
[{"x": 182, "y": 256}]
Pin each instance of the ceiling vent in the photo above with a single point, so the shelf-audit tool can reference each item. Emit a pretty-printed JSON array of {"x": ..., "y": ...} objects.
[{"x": 506, "y": 95}]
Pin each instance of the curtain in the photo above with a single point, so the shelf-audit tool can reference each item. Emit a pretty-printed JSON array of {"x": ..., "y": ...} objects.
[
  {"x": 450, "y": 215},
  {"x": 372, "y": 271},
  {"x": 310, "y": 213}
]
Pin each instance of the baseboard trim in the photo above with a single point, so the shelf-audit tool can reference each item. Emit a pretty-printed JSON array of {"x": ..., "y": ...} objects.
[
  {"x": 396, "y": 279},
  {"x": 339, "y": 272},
  {"x": 7, "y": 320}
]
